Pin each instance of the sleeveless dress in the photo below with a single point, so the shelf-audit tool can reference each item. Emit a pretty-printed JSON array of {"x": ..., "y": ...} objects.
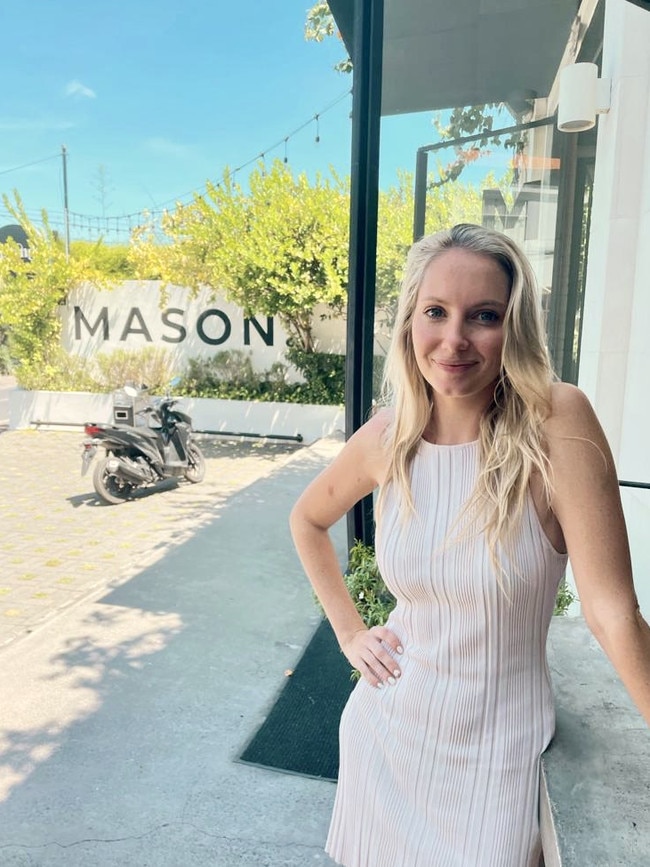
[{"x": 442, "y": 769}]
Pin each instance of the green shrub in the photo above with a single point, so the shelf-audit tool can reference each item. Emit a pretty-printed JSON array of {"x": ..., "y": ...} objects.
[
  {"x": 6, "y": 361},
  {"x": 150, "y": 366},
  {"x": 229, "y": 375},
  {"x": 58, "y": 371},
  {"x": 372, "y": 598},
  {"x": 564, "y": 599},
  {"x": 324, "y": 375}
]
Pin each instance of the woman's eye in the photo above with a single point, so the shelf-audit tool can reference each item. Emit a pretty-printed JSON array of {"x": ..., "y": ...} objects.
[
  {"x": 487, "y": 316},
  {"x": 434, "y": 312}
]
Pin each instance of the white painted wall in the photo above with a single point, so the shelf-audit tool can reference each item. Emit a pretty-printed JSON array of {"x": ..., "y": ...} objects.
[
  {"x": 185, "y": 326},
  {"x": 615, "y": 352}
]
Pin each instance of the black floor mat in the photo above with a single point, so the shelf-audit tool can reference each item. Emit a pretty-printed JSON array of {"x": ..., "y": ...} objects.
[{"x": 300, "y": 734}]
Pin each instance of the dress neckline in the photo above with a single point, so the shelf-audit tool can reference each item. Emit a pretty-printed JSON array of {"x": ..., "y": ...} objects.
[{"x": 470, "y": 444}]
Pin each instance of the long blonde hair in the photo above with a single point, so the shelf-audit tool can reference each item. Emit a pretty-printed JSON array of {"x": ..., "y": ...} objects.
[{"x": 510, "y": 433}]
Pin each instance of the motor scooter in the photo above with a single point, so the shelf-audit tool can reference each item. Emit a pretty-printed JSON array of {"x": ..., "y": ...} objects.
[{"x": 158, "y": 445}]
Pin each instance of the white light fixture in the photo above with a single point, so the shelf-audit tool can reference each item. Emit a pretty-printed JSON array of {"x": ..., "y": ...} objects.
[{"x": 582, "y": 96}]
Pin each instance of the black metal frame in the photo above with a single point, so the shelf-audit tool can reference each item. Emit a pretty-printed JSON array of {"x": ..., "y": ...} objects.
[
  {"x": 364, "y": 196},
  {"x": 422, "y": 165}
]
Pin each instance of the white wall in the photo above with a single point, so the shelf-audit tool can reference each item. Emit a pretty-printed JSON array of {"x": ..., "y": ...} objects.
[
  {"x": 183, "y": 325},
  {"x": 615, "y": 352}
]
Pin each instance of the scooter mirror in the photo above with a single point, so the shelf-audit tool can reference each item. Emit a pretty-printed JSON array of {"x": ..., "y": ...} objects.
[{"x": 129, "y": 391}]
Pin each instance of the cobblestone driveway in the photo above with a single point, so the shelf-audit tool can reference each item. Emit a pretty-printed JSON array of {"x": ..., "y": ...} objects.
[{"x": 59, "y": 543}]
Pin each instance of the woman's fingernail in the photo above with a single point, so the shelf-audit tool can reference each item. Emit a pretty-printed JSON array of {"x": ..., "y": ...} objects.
[
  {"x": 397, "y": 672},
  {"x": 380, "y": 685},
  {"x": 400, "y": 649},
  {"x": 391, "y": 680}
]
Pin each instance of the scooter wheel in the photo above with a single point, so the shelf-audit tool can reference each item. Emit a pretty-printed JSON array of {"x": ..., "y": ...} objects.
[
  {"x": 195, "y": 471},
  {"x": 110, "y": 487}
]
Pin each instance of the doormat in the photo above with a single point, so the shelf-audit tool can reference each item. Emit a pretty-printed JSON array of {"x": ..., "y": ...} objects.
[{"x": 300, "y": 734}]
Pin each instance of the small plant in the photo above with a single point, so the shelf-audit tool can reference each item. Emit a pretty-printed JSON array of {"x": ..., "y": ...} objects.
[
  {"x": 372, "y": 598},
  {"x": 564, "y": 599}
]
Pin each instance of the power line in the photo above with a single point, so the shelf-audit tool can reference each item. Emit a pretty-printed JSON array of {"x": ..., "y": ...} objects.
[
  {"x": 123, "y": 224},
  {"x": 27, "y": 165},
  {"x": 281, "y": 142}
]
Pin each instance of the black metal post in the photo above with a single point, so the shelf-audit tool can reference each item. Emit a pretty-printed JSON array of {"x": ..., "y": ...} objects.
[
  {"x": 420, "y": 193},
  {"x": 366, "y": 117}
]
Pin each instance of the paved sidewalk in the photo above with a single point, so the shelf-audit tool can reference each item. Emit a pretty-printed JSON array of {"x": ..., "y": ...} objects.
[
  {"x": 143, "y": 646},
  {"x": 60, "y": 542}
]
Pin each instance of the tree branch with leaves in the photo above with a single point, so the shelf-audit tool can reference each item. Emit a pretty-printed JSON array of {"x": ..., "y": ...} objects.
[{"x": 279, "y": 248}]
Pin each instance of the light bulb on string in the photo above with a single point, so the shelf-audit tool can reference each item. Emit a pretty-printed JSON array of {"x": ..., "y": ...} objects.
[
  {"x": 316, "y": 118},
  {"x": 286, "y": 158}
]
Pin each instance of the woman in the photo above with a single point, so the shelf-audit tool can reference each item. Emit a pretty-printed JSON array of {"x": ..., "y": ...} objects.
[{"x": 489, "y": 472}]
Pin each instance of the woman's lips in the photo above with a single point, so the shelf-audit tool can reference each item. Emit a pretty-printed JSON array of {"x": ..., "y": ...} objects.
[{"x": 455, "y": 366}]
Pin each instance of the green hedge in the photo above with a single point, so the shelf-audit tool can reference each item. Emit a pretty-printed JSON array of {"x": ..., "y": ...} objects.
[{"x": 227, "y": 375}]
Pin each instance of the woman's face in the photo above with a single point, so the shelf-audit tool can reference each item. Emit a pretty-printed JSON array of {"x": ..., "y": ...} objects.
[{"x": 457, "y": 326}]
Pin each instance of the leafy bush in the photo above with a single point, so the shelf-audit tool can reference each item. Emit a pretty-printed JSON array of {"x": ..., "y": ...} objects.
[
  {"x": 6, "y": 361},
  {"x": 229, "y": 375},
  {"x": 372, "y": 598},
  {"x": 151, "y": 366},
  {"x": 564, "y": 599},
  {"x": 58, "y": 371},
  {"x": 324, "y": 375}
]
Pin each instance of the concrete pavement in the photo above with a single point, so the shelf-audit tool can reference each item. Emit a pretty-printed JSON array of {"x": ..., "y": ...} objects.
[{"x": 143, "y": 645}]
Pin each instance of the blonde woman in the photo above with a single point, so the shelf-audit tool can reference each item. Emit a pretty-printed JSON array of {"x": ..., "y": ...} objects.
[{"x": 489, "y": 473}]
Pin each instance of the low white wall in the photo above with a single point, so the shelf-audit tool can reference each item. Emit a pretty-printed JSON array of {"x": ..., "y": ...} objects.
[{"x": 51, "y": 409}]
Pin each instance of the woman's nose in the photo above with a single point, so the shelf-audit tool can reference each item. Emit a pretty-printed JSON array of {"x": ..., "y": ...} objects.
[{"x": 455, "y": 335}]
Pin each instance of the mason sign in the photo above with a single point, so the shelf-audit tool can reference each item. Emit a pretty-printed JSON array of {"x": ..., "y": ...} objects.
[
  {"x": 131, "y": 316},
  {"x": 213, "y": 326}
]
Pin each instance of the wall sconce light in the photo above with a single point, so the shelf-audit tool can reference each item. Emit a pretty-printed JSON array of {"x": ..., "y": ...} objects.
[{"x": 582, "y": 96}]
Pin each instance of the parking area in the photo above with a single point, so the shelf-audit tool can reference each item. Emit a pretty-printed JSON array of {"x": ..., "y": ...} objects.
[{"x": 59, "y": 543}]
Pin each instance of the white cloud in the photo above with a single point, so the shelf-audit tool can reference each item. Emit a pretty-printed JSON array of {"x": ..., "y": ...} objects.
[
  {"x": 77, "y": 89},
  {"x": 166, "y": 147}
]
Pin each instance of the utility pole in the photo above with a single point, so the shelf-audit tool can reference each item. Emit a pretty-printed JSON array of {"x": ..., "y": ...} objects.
[{"x": 66, "y": 215}]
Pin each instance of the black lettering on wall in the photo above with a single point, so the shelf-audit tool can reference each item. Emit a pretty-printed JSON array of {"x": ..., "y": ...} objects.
[
  {"x": 266, "y": 335},
  {"x": 227, "y": 327},
  {"x": 182, "y": 330},
  {"x": 129, "y": 328},
  {"x": 102, "y": 320}
]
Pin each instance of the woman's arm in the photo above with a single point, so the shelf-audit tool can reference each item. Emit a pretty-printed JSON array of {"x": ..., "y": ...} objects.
[
  {"x": 588, "y": 507},
  {"x": 356, "y": 472}
]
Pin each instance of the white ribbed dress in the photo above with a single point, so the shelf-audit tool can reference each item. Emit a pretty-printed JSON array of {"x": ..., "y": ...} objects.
[{"x": 442, "y": 769}]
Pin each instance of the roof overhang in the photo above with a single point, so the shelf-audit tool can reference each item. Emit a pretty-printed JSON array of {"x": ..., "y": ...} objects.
[{"x": 440, "y": 54}]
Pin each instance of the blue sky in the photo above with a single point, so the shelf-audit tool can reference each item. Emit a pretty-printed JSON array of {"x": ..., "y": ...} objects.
[{"x": 153, "y": 98}]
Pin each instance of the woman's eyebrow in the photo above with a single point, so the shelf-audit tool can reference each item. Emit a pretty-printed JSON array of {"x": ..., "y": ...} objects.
[{"x": 487, "y": 302}]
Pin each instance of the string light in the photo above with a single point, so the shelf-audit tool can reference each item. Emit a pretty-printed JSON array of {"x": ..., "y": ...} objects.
[{"x": 95, "y": 225}]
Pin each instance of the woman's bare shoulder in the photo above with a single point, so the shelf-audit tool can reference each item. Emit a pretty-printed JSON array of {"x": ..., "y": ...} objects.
[
  {"x": 571, "y": 412},
  {"x": 575, "y": 439},
  {"x": 369, "y": 443}
]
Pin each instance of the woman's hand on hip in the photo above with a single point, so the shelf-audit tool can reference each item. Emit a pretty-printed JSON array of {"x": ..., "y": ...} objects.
[{"x": 369, "y": 651}]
